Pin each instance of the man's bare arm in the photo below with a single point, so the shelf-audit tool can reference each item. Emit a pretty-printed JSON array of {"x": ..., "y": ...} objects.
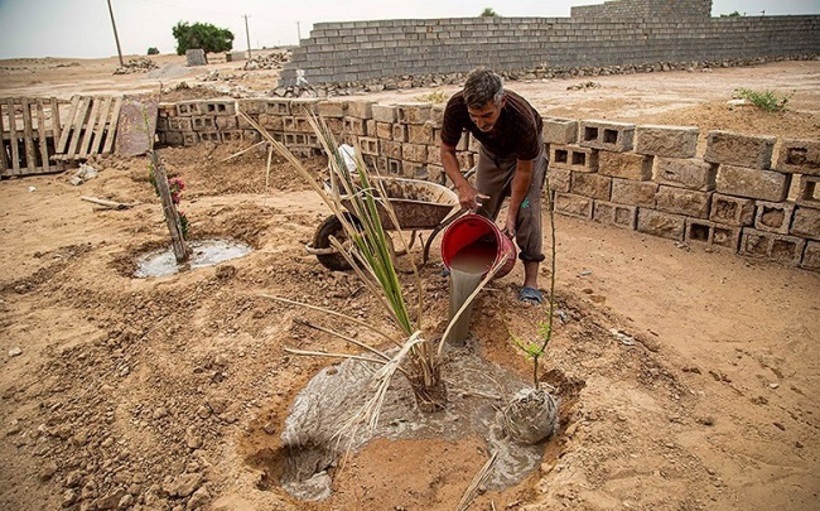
[{"x": 468, "y": 196}]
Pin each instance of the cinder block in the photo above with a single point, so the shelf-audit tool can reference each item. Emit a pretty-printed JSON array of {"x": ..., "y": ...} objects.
[
  {"x": 297, "y": 124},
  {"x": 420, "y": 133},
  {"x": 466, "y": 159},
  {"x": 811, "y": 256},
  {"x": 435, "y": 173},
  {"x": 774, "y": 247},
  {"x": 433, "y": 155},
  {"x": 244, "y": 124},
  {"x": 189, "y": 108},
  {"x": 692, "y": 173},
  {"x": 232, "y": 136},
  {"x": 657, "y": 223},
  {"x": 255, "y": 136},
  {"x": 806, "y": 223},
  {"x": 384, "y": 131},
  {"x": 370, "y": 126},
  {"x": 575, "y": 158},
  {"x": 713, "y": 234},
  {"x": 774, "y": 216},
  {"x": 252, "y": 106},
  {"x": 383, "y": 113},
  {"x": 437, "y": 115},
  {"x": 222, "y": 107},
  {"x": 190, "y": 138},
  {"x": 203, "y": 123},
  {"x": 355, "y": 126},
  {"x": 167, "y": 110},
  {"x": 304, "y": 107},
  {"x": 174, "y": 138},
  {"x": 162, "y": 124},
  {"x": 180, "y": 124},
  {"x": 360, "y": 109},
  {"x": 618, "y": 215},
  {"x": 369, "y": 145},
  {"x": 799, "y": 157},
  {"x": 625, "y": 165},
  {"x": 269, "y": 122},
  {"x": 667, "y": 141},
  {"x": 809, "y": 194},
  {"x": 634, "y": 193},
  {"x": 414, "y": 152},
  {"x": 573, "y": 205},
  {"x": 683, "y": 202},
  {"x": 595, "y": 186},
  {"x": 732, "y": 210},
  {"x": 413, "y": 170},
  {"x": 400, "y": 132},
  {"x": 612, "y": 136},
  {"x": 225, "y": 123},
  {"x": 729, "y": 148},
  {"x": 391, "y": 149},
  {"x": 332, "y": 108},
  {"x": 559, "y": 179},
  {"x": 394, "y": 166},
  {"x": 560, "y": 131},
  {"x": 278, "y": 107},
  {"x": 413, "y": 113},
  {"x": 754, "y": 183},
  {"x": 335, "y": 125}
]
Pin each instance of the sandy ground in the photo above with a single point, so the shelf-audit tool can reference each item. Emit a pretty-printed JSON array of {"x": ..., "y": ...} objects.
[{"x": 170, "y": 393}]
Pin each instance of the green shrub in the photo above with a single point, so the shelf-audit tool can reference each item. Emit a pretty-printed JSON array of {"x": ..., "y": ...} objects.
[
  {"x": 153, "y": 51},
  {"x": 767, "y": 100}
]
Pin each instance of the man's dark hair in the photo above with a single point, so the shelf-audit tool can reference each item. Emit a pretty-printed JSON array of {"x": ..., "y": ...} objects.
[{"x": 481, "y": 87}]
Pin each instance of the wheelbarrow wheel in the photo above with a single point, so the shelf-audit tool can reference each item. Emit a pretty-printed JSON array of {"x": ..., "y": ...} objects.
[{"x": 332, "y": 227}]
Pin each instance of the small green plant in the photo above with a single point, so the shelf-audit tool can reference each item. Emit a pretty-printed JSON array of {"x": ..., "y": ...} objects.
[
  {"x": 433, "y": 97},
  {"x": 766, "y": 100},
  {"x": 153, "y": 51},
  {"x": 488, "y": 12},
  {"x": 732, "y": 15}
]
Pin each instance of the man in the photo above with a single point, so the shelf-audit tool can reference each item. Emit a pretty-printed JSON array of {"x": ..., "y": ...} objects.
[{"x": 511, "y": 163}]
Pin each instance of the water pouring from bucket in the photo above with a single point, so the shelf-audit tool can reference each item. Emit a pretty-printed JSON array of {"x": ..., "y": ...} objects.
[{"x": 470, "y": 248}]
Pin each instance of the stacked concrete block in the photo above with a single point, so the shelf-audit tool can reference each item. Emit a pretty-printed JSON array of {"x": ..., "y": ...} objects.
[
  {"x": 809, "y": 194},
  {"x": 625, "y": 165},
  {"x": 559, "y": 179},
  {"x": 573, "y": 205},
  {"x": 720, "y": 236},
  {"x": 732, "y": 210},
  {"x": 667, "y": 141},
  {"x": 691, "y": 173},
  {"x": 573, "y": 157},
  {"x": 806, "y": 223},
  {"x": 729, "y": 148},
  {"x": 780, "y": 248},
  {"x": 774, "y": 216},
  {"x": 634, "y": 193},
  {"x": 799, "y": 157},
  {"x": 658, "y": 223},
  {"x": 560, "y": 131},
  {"x": 332, "y": 108},
  {"x": 413, "y": 113},
  {"x": 608, "y": 135},
  {"x": 811, "y": 256},
  {"x": 594, "y": 186},
  {"x": 689, "y": 203},
  {"x": 218, "y": 107},
  {"x": 753, "y": 183},
  {"x": 619, "y": 215}
]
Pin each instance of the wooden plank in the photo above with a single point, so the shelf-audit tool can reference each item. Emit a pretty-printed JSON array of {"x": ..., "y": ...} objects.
[
  {"x": 79, "y": 121},
  {"x": 28, "y": 135},
  {"x": 112, "y": 127},
  {"x": 41, "y": 132},
  {"x": 96, "y": 144},
  {"x": 89, "y": 128},
  {"x": 61, "y": 146},
  {"x": 4, "y": 164},
  {"x": 55, "y": 120},
  {"x": 15, "y": 147}
]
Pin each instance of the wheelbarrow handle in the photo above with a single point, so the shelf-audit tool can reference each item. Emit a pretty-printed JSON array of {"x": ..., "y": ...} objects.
[{"x": 443, "y": 225}]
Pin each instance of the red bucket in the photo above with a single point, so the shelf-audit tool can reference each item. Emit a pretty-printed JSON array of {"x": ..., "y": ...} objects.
[{"x": 471, "y": 230}]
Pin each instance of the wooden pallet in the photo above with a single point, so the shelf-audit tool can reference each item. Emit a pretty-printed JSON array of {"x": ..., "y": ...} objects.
[
  {"x": 90, "y": 128},
  {"x": 29, "y": 128}
]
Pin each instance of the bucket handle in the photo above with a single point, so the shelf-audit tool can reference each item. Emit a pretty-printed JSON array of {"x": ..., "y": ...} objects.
[{"x": 443, "y": 225}]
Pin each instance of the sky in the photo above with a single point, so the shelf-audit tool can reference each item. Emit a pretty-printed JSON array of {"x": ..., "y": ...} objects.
[{"x": 82, "y": 28}]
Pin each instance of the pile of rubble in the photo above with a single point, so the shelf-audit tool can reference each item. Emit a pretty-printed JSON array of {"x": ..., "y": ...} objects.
[
  {"x": 137, "y": 65},
  {"x": 275, "y": 60}
]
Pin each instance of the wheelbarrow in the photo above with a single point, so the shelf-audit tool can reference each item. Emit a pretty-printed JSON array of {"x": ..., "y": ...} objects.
[{"x": 418, "y": 206}]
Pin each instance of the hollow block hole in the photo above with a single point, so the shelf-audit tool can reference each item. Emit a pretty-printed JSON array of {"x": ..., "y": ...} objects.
[
  {"x": 590, "y": 133},
  {"x": 610, "y": 136}
]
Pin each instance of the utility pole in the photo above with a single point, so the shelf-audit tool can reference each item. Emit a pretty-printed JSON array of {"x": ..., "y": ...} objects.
[
  {"x": 248, "y": 36},
  {"x": 116, "y": 37},
  {"x": 298, "y": 32}
]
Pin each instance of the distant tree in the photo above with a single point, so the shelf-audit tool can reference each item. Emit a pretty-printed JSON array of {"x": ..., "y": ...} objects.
[
  {"x": 732, "y": 15},
  {"x": 488, "y": 12},
  {"x": 202, "y": 35},
  {"x": 153, "y": 51}
]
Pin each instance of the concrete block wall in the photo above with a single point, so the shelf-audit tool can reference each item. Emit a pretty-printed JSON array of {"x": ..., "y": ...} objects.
[
  {"x": 617, "y": 33},
  {"x": 734, "y": 197}
]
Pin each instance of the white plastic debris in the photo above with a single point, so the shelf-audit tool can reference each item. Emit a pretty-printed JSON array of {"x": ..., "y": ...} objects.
[
  {"x": 31, "y": 189},
  {"x": 348, "y": 152},
  {"x": 83, "y": 174}
]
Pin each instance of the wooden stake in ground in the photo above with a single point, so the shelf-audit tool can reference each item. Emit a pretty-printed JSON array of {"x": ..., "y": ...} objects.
[{"x": 181, "y": 251}]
